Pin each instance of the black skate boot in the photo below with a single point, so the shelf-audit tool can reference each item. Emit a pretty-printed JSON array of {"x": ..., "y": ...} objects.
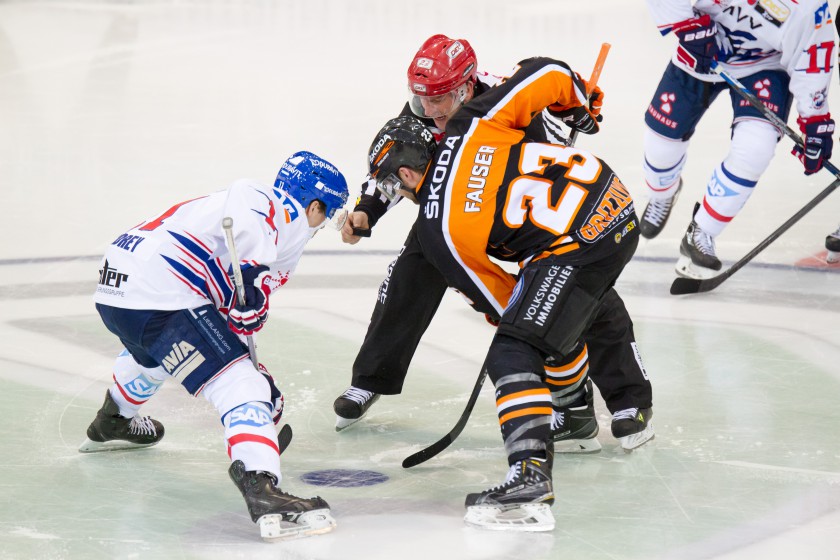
[
  {"x": 521, "y": 503},
  {"x": 110, "y": 432},
  {"x": 697, "y": 250},
  {"x": 656, "y": 214},
  {"x": 832, "y": 245},
  {"x": 279, "y": 515},
  {"x": 351, "y": 406},
  {"x": 573, "y": 429},
  {"x": 632, "y": 427}
]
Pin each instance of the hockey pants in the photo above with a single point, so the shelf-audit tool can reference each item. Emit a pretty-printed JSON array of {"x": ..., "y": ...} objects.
[{"x": 409, "y": 298}]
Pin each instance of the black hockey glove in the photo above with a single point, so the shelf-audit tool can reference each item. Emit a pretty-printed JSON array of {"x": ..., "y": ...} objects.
[
  {"x": 698, "y": 43},
  {"x": 580, "y": 118},
  {"x": 818, "y": 142},
  {"x": 248, "y": 317}
]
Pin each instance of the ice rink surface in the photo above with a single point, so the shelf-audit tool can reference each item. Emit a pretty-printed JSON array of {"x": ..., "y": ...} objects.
[{"x": 111, "y": 111}]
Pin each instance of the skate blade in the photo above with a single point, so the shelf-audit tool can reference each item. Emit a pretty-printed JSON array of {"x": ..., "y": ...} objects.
[
  {"x": 523, "y": 517},
  {"x": 832, "y": 257},
  {"x": 590, "y": 445},
  {"x": 633, "y": 441},
  {"x": 687, "y": 269},
  {"x": 316, "y": 522},
  {"x": 90, "y": 446},
  {"x": 342, "y": 423}
]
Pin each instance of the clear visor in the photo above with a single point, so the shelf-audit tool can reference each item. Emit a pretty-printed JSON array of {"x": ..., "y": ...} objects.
[
  {"x": 389, "y": 186},
  {"x": 339, "y": 217},
  {"x": 436, "y": 106}
]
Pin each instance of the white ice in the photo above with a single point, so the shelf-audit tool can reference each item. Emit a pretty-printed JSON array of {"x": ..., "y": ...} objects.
[{"x": 113, "y": 110}]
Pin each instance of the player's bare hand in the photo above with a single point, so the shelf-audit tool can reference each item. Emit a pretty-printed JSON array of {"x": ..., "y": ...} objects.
[{"x": 357, "y": 221}]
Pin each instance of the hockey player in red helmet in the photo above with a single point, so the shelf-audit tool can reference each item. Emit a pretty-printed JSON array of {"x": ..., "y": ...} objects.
[
  {"x": 415, "y": 288},
  {"x": 441, "y": 78}
]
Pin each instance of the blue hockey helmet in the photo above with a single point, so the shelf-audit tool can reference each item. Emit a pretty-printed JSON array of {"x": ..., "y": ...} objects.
[{"x": 307, "y": 177}]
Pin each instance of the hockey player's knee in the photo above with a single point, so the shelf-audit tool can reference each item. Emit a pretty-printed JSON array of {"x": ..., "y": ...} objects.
[
  {"x": 752, "y": 148},
  {"x": 508, "y": 355},
  {"x": 664, "y": 162},
  {"x": 242, "y": 383}
]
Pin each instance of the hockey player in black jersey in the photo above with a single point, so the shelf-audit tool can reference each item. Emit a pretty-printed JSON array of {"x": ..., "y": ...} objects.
[
  {"x": 415, "y": 288},
  {"x": 560, "y": 212}
]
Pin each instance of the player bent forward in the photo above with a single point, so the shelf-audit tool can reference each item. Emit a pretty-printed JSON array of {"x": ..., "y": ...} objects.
[
  {"x": 165, "y": 290},
  {"x": 560, "y": 212}
]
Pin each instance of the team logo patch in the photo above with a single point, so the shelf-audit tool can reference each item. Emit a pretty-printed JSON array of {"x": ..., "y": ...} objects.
[
  {"x": 141, "y": 387},
  {"x": 774, "y": 11},
  {"x": 424, "y": 63},
  {"x": 456, "y": 49},
  {"x": 822, "y": 16},
  {"x": 249, "y": 415},
  {"x": 182, "y": 360}
]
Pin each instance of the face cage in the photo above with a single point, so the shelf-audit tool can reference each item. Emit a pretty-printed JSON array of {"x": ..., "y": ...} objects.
[
  {"x": 458, "y": 95},
  {"x": 389, "y": 186}
]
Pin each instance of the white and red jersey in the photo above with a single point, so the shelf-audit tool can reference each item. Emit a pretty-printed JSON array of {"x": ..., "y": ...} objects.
[
  {"x": 795, "y": 36},
  {"x": 180, "y": 259}
]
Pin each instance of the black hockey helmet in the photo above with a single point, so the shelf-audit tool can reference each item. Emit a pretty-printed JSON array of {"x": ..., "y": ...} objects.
[{"x": 403, "y": 141}]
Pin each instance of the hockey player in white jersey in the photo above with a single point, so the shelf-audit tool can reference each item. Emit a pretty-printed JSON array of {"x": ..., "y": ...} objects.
[
  {"x": 782, "y": 50},
  {"x": 166, "y": 290}
]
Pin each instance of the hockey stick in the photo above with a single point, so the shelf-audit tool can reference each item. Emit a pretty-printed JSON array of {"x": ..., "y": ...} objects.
[
  {"x": 284, "y": 438},
  {"x": 682, "y": 286},
  {"x": 593, "y": 81},
  {"x": 425, "y": 454},
  {"x": 227, "y": 225}
]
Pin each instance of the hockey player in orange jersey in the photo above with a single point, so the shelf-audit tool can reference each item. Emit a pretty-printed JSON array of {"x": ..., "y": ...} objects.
[
  {"x": 442, "y": 78},
  {"x": 560, "y": 212}
]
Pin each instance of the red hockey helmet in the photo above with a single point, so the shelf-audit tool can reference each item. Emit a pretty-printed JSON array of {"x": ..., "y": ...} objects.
[{"x": 441, "y": 65}]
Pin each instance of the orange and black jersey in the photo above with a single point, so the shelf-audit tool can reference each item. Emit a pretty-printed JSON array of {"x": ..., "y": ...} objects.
[
  {"x": 491, "y": 193},
  {"x": 375, "y": 205}
]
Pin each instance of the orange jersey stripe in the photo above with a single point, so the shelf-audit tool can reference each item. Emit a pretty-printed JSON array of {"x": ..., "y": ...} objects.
[
  {"x": 572, "y": 365},
  {"x": 567, "y": 381},
  {"x": 540, "y": 410},
  {"x": 521, "y": 394},
  {"x": 471, "y": 202}
]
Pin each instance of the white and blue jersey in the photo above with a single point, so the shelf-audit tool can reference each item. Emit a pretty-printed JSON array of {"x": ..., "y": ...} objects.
[
  {"x": 180, "y": 260},
  {"x": 793, "y": 36}
]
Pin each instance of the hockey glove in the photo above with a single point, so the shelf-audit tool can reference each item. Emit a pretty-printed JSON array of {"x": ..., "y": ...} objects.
[
  {"x": 248, "y": 317},
  {"x": 580, "y": 118},
  {"x": 277, "y": 403},
  {"x": 698, "y": 43},
  {"x": 817, "y": 140}
]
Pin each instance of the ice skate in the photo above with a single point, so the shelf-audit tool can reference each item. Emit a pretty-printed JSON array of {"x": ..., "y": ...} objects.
[
  {"x": 632, "y": 427},
  {"x": 573, "y": 429},
  {"x": 111, "y": 432},
  {"x": 521, "y": 503},
  {"x": 351, "y": 407},
  {"x": 832, "y": 245},
  {"x": 279, "y": 515},
  {"x": 697, "y": 250},
  {"x": 656, "y": 214}
]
